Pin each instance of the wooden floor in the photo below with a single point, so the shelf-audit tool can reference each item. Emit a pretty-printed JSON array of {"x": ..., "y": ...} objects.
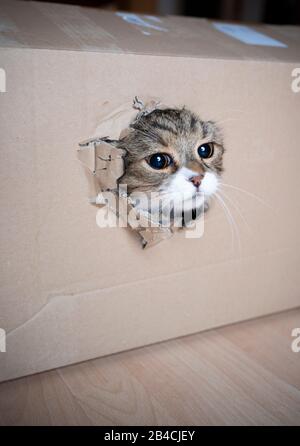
[{"x": 244, "y": 374}]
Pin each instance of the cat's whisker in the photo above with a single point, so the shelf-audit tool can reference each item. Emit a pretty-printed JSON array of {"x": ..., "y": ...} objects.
[
  {"x": 250, "y": 194},
  {"x": 231, "y": 221},
  {"x": 222, "y": 193}
]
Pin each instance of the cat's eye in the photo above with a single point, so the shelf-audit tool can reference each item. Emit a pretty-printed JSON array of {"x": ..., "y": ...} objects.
[
  {"x": 206, "y": 150},
  {"x": 159, "y": 161}
]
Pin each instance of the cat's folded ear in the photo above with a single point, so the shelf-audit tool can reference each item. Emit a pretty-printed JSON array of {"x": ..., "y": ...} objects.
[{"x": 212, "y": 131}]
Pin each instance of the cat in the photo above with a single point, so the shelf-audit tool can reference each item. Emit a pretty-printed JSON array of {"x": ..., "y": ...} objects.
[{"x": 175, "y": 158}]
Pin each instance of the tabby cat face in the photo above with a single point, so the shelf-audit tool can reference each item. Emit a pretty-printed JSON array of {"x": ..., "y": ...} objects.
[{"x": 173, "y": 154}]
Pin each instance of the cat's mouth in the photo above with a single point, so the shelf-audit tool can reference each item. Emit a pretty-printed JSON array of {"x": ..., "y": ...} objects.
[
  {"x": 179, "y": 193},
  {"x": 197, "y": 191}
]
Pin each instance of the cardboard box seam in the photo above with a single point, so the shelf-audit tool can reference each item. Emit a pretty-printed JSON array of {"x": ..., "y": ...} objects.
[
  {"x": 149, "y": 344},
  {"x": 61, "y": 295},
  {"x": 126, "y": 54}
]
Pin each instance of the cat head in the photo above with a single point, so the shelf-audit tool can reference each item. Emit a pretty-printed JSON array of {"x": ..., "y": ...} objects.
[{"x": 172, "y": 153}]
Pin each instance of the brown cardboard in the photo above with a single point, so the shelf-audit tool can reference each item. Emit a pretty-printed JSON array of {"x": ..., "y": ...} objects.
[{"x": 70, "y": 290}]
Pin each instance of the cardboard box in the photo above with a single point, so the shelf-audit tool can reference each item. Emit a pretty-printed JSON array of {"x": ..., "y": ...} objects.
[{"x": 71, "y": 291}]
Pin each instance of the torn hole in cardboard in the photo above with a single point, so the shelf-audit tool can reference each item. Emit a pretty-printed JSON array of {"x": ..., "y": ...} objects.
[{"x": 107, "y": 164}]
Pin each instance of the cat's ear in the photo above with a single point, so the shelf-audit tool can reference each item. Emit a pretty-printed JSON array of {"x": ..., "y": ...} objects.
[{"x": 212, "y": 131}]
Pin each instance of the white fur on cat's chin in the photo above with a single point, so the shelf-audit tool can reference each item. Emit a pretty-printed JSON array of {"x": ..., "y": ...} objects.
[{"x": 181, "y": 190}]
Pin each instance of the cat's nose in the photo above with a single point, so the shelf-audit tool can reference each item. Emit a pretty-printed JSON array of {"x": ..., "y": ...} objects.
[{"x": 196, "y": 180}]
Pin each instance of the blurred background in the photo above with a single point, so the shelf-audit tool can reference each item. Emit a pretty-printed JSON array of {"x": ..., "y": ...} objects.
[{"x": 266, "y": 11}]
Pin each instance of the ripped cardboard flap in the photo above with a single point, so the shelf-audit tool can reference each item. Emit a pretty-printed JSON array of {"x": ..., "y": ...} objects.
[
  {"x": 104, "y": 160},
  {"x": 107, "y": 163}
]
